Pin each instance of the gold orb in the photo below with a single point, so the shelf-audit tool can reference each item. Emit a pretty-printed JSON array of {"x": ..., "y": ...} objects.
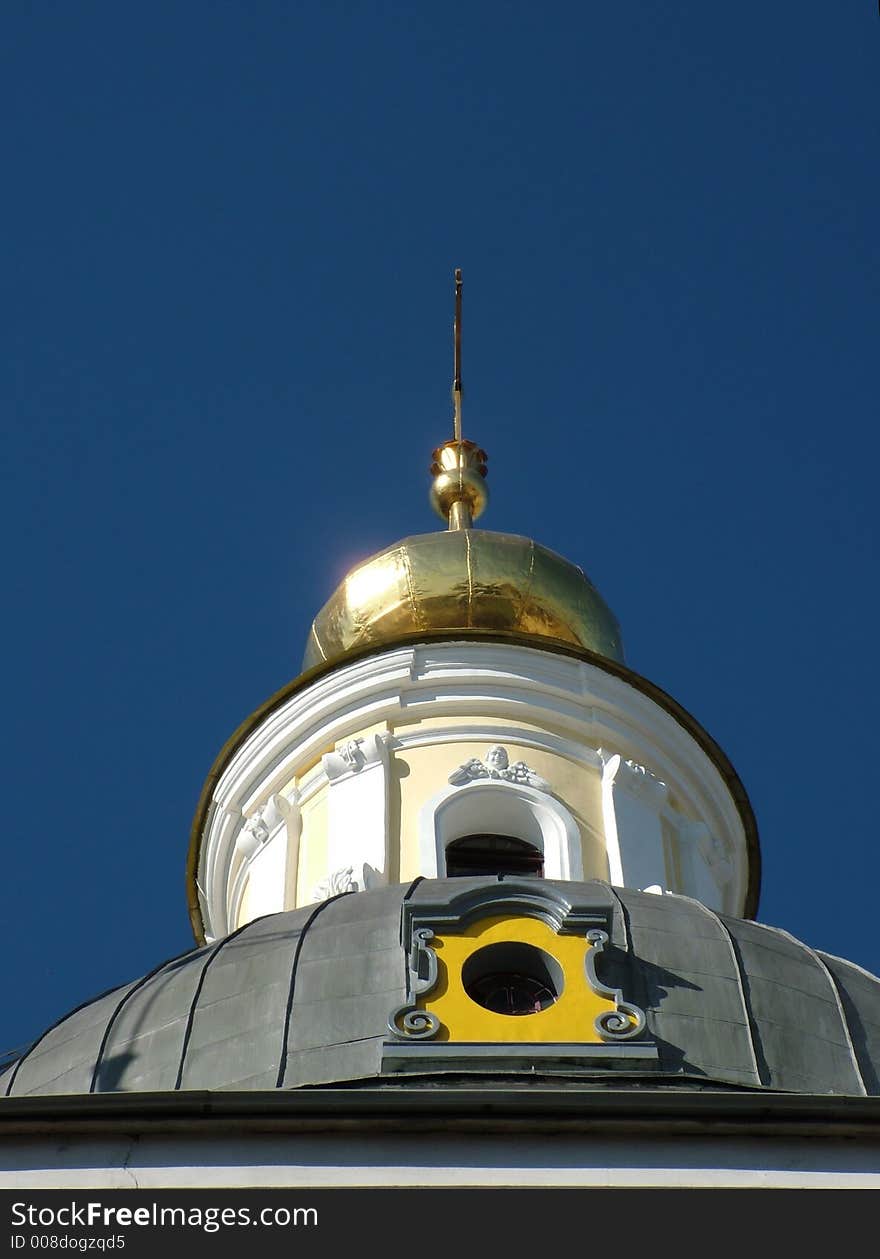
[{"x": 461, "y": 485}]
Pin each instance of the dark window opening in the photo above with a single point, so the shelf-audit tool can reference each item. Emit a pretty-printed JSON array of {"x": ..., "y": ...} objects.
[
  {"x": 512, "y": 978},
  {"x": 493, "y": 854},
  {"x": 511, "y": 994}
]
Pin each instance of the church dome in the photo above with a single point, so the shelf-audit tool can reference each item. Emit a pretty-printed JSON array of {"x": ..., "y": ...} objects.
[
  {"x": 310, "y": 997},
  {"x": 464, "y": 582}
]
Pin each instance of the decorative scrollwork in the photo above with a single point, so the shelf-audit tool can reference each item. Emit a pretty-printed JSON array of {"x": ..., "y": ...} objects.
[
  {"x": 620, "y": 1024},
  {"x": 411, "y": 1023},
  {"x": 423, "y": 962},
  {"x": 626, "y": 1020},
  {"x": 408, "y": 1021}
]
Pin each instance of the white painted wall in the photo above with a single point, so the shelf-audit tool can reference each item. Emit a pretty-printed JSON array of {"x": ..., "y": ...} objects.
[{"x": 369, "y": 1159}]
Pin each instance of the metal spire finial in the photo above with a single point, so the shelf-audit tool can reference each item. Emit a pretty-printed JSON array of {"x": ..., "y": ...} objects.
[
  {"x": 458, "y": 491},
  {"x": 456, "y": 375}
]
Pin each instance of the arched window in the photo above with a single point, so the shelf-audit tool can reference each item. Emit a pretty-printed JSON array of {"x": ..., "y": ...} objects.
[
  {"x": 493, "y": 854},
  {"x": 511, "y": 813}
]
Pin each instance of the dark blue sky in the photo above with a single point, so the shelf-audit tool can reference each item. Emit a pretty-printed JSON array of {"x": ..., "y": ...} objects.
[{"x": 229, "y": 232}]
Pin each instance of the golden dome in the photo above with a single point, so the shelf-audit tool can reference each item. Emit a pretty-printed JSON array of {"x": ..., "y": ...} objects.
[{"x": 463, "y": 582}]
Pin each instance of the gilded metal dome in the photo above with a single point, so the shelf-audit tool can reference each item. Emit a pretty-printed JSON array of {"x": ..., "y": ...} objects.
[{"x": 464, "y": 581}]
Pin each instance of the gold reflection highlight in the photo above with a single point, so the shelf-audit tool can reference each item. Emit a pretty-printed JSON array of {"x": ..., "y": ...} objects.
[{"x": 464, "y": 579}]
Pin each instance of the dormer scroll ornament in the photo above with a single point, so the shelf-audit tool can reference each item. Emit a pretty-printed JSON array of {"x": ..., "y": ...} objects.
[
  {"x": 626, "y": 1020},
  {"x": 409, "y": 1021},
  {"x": 497, "y": 766}
]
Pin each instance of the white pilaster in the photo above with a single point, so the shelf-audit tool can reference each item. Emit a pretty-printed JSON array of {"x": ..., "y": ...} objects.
[
  {"x": 632, "y": 803},
  {"x": 707, "y": 865},
  {"x": 268, "y": 843},
  {"x": 357, "y": 815}
]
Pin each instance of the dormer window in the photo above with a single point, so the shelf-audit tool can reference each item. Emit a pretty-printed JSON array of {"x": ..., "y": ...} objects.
[{"x": 493, "y": 854}]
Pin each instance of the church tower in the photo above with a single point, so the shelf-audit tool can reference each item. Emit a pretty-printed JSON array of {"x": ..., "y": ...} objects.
[
  {"x": 467, "y": 875},
  {"x": 464, "y": 707}
]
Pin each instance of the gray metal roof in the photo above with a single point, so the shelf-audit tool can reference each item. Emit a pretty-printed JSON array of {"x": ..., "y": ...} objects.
[{"x": 303, "y": 998}]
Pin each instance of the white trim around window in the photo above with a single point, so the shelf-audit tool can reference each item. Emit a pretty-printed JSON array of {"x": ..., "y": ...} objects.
[{"x": 500, "y": 808}]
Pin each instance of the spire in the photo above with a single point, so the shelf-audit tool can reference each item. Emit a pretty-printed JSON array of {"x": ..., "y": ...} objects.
[
  {"x": 456, "y": 360},
  {"x": 458, "y": 492}
]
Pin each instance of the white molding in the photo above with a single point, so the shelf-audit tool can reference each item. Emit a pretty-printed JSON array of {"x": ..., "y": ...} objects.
[{"x": 483, "y": 732}]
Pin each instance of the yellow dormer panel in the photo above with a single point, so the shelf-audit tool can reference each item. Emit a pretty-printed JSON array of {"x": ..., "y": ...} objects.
[{"x": 514, "y": 979}]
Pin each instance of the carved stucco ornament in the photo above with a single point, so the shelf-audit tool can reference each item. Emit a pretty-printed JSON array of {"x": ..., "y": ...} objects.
[
  {"x": 335, "y": 884},
  {"x": 645, "y": 784},
  {"x": 262, "y": 822},
  {"x": 355, "y": 755},
  {"x": 497, "y": 766},
  {"x": 343, "y": 880}
]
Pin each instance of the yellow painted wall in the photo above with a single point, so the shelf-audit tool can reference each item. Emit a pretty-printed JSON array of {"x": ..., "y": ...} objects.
[
  {"x": 420, "y": 772},
  {"x": 312, "y": 852}
]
